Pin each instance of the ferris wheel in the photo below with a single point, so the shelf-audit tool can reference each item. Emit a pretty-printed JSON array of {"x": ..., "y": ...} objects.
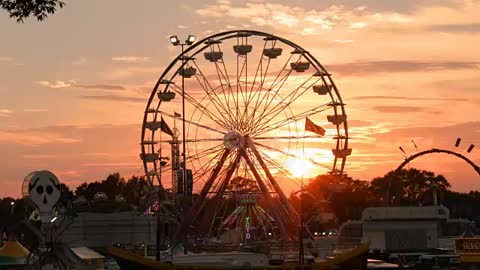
[{"x": 258, "y": 108}]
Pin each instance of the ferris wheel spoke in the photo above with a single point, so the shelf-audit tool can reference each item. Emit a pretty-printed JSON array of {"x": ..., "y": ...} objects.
[
  {"x": 261, "y": 98},
  {"x": 277, "y": 82},
  {"x": 198, "y": 155},
  {"x": 286, "y": 121},
  {"x": 195, "y": 140},
  {"x": 280, "y": 168},
  {"x": 244, "y": 94},
  {"x": 205, "y": 168},
  {"x": 280, "y": 107},
  {"x": 251, "y": 93},
  {"x": 193, "y": 123},
  {"x": 265, "y": 101},
  {"x": 241, "y": 69},
  {"x": 258, "y": 92},
  {"x": 293, "y": 155},
  {"x": 275, "y": 138},
  {"x": 205, "y": 153},
  {"x": 212, "y": 95},
  {"x": 200, "y": 107},
  {"x": 229, "y": 96},
  {"x": 225, "y": 85}
]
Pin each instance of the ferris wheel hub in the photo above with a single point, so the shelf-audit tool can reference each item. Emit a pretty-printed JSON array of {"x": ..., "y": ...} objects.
[{"x": 233, "y": 140}]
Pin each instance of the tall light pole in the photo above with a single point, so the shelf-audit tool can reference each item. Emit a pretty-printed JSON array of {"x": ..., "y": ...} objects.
[{"x": 175, "y": 42}]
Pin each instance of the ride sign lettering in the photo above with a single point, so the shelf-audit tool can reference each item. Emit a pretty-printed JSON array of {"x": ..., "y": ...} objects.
[{"x": 467, "y": 245}]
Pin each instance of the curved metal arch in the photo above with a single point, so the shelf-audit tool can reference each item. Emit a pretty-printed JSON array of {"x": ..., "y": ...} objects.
[
  {"x": 227, "y": 35},
  {"x": 436, "y": 150},
  {"x": 426, "y": 152}
]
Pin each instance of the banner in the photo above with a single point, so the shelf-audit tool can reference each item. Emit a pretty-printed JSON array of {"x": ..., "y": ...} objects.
[{"x": 310, "y": 126}]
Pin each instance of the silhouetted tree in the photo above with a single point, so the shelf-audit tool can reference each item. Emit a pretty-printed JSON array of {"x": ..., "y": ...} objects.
[
  {"x": 87, "y": 190},
  {"x": 136, "y": 190},
  {"x": 241, "y": 184},
  {"x": 66, "y": 193},
  {"x": 22, "y": 9},
  {"x": 113, "y": 185},
  {"x": 409, "y": 187}
]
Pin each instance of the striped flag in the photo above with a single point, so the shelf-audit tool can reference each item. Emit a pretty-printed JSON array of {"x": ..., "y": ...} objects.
[{"x": 310, "y": 126}]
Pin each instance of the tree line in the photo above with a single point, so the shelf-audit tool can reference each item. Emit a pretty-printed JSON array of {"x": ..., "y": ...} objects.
[{"x": 327, "y": 201}]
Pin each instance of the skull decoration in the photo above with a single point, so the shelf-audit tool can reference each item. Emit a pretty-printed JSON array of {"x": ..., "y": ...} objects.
[{"x": 44, "y": 189}]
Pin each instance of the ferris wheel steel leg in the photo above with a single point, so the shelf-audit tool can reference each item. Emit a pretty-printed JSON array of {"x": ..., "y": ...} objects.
[
  {"x": 283, "y": 199},
  {"x": 266, "y": 193},
  {"x": 226, "y": 181},
  {"x": 200, "y": 200}
]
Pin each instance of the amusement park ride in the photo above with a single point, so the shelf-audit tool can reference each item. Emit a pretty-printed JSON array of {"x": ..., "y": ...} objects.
[{"x": 252, "y": 101}]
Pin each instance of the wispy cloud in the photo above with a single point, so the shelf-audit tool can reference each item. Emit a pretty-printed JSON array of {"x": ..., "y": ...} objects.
[
  {"x": 397, "y": 109},
  {"x": 79, "y": 61},
  {"x": 300, "y": 19},
  {"x": 35, "y": 138},
  {"x": 456, "y": 28},
  {"x": 6, "y": 59},
  {"x": 100, "y": 86},
  {"x": 73, "y": 84},
  {"x": 130, "y": 59},
  {"x": 343, "y": 40},
  {"x": 56, "y": 84},
  {"x": 116, "y": 98},
  {"x": 35, "y": 110},
  {"x": 406, "y": 98},
  {"x": 118, "y": 164},
  {"x": 5, "y": 112},
  {"x": 356, "y": 25},
  {"x": 368, "y": 68}
]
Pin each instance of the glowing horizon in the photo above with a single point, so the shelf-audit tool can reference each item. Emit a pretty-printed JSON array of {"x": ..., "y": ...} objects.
[{"x": 73, "y": 100}]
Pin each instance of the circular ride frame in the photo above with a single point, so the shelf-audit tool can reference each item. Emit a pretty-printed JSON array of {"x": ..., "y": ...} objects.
[
  {"x": 244, "y": 146},
  {"x": 427, "y": 152}
]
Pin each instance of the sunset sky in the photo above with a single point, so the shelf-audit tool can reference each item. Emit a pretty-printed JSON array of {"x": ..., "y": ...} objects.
[{"x": 73, "y": 88}]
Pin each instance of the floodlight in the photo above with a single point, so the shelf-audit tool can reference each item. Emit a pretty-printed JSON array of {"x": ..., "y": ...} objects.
[
  {"x": 190, "y": 39},
  {"x": 174, "y": 40}
]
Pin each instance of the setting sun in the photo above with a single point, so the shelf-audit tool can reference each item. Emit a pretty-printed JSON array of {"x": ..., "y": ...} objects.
[{"x": 299, "y": 167}]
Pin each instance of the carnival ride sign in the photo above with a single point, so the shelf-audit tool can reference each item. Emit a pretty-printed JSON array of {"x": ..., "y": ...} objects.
[
  {"x": 247, "y": 228},
  {"x": 467, "y": 246}
]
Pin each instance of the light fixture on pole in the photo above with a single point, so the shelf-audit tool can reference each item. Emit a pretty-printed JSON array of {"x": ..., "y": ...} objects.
[
  {"x": 190, "y": 40},
  {"x": 175, "y": 42}
]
